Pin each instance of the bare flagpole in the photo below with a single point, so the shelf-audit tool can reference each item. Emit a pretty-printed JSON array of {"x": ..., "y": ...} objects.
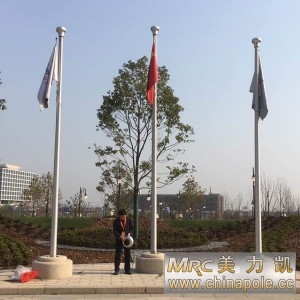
[
  {"x": 154, "y": 30},
  {"x": 54, "y": 220},
  {"x": 258, "y": 233}
]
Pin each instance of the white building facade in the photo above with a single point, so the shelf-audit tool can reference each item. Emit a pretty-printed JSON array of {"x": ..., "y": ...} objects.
[{"x": 13, "y": 182}]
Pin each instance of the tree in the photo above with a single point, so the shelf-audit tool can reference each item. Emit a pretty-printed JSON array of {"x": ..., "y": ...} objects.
[
  {"x": 39, "y": 194},
  {"x": 288, "y": 201},
  {"x": 119, "y": 200},
  {"x": 115, "y": 183},
  {"x": 232, "y": 207},
  {"x": 282, "y": 195},
  {"x": 268, "y": 191},
  {"x": 46, "y": 182},
  {"x": 2, "y": 101},
  {"x": 33, "y": 195},
  {"x": 191, "y": 196},
  {"x": 125, "y": 118},
  {"x": 297, "y": 203},
  {"x": 76, "y": 206},
  {"x": 2, "y": 104},
  {"x": 238, "y": 201}
]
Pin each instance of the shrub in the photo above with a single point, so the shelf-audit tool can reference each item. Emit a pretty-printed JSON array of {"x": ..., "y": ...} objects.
[
  {"x": 102, "y": 237},
  {"x": 13, "y": 252}
]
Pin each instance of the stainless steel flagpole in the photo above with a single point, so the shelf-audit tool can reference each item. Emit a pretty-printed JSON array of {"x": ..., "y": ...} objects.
[
  {"x": 54, "y": 220},
  {"x": 154, "y": 30},
  {"x": 258, "y": 233}
]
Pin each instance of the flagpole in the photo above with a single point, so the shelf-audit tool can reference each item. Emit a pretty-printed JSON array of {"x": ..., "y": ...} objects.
[
  {"x": 154, "y": 30},
  {"x": 54, "y": 219},
  {"x": 258, "y": 233}
]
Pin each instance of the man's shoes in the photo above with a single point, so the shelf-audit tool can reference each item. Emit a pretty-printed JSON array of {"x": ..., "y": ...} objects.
[
  {"x": 116, "y": 273},
  {"x": 128, "y": 272}
]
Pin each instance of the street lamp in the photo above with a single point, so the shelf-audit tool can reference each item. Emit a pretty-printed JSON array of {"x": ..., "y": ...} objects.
[
  {"x": 149, "y": 196},
  {"x": 82, "y": 196},
  {"x": 253, "y": 193},
  {"x": 160, "y": 205},
  {"x": 204, "y": 212},
  {"x": 245, "y": 212}
]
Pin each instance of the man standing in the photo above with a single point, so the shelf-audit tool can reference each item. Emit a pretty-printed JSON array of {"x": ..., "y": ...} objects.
[{"x": 122, "y": 226}]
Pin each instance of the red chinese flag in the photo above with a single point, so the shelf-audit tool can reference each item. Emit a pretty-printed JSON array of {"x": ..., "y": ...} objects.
[
  {"x": 152, "y": 76},
  {"x": 24, "y": 277}
]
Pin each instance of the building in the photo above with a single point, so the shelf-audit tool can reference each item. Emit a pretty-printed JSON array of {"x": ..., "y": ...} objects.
[
  {"x": 13, "y": 182},
  {"x": 214, "y": 206},
  {"x": 209, "y": 206}
]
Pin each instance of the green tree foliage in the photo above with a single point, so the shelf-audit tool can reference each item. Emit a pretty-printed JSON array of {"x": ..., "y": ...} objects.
[
  {"x": 77, "y": 206},
  {"x": 125, "y": 118},
  {"x": 190, "y": 196},
  {"x": 2, "y": 101},
  {"x": 2, "y": 104},
  {"x": 38, "y": 196},
  {"x": 115, "y": 185},
  {"x": 33, "y": 195},
  {"x": 46, "y": 182}
]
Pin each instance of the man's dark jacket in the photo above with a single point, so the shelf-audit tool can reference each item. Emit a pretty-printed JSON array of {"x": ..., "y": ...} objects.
[{"x": 118, "y": 228}]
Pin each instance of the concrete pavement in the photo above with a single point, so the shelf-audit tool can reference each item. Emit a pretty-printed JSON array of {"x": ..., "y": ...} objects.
[
  {"x": 95, "y": 281},
  {"x": 154, "y": 297}
]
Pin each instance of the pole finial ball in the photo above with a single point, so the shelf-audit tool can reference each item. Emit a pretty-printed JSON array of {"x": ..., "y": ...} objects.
[
  {"x": 155, "y": 30},
  {"x": 256, "y": 41},
  {"x": 61, "y": 30}
]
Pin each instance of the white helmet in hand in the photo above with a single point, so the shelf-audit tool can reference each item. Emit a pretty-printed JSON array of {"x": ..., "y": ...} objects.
[{"x": 128, "y": 241}]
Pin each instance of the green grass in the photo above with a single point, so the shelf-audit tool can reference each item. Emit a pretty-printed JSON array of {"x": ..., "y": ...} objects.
[
  {"x": 205, "y": 224},
  {"x": 62, "y": 222}
]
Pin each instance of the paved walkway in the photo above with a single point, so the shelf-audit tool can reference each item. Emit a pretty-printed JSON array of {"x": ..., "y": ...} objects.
[{"x": 96, "y": 281}]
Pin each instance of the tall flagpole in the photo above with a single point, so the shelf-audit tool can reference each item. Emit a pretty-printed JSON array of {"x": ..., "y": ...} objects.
[
  {"x": 54, "y": 220},
  {"x": 154, "y": 30},
  {"x": 258, "y": 233}
]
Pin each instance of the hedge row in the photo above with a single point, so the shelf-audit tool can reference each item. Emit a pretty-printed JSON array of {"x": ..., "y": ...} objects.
[
  {"x": 103, "y": 238},
  {"x": 13, "y": 252},
  {"x": 276, "y": 239}
]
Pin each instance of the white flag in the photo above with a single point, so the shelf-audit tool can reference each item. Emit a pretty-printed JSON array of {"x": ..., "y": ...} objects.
[
  {"x": 51, "y": 74},
  {"x": 262, "y": 99}
]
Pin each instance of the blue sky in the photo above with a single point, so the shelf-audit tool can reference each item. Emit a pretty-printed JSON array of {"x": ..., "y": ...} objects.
[{"x": 206, "y": 46}]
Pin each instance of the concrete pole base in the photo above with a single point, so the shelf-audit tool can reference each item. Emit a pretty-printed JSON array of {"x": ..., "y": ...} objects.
[
  {"x": 149, "y": 263},
  {"x": 53, "y": 267}
]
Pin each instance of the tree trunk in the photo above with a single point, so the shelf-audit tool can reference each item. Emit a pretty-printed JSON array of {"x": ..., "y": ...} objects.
[
  {"x": 33, "y": 210},
  {"x": 136, "y": 213}
]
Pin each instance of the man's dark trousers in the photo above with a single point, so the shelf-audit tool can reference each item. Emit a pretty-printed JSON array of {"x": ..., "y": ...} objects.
[{"x": 119, "y": 247}]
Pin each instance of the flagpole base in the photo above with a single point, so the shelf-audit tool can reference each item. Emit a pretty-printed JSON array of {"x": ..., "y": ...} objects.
[
  {"x": 58, "y": 267},
  {"x": 149, "y": 263}
]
